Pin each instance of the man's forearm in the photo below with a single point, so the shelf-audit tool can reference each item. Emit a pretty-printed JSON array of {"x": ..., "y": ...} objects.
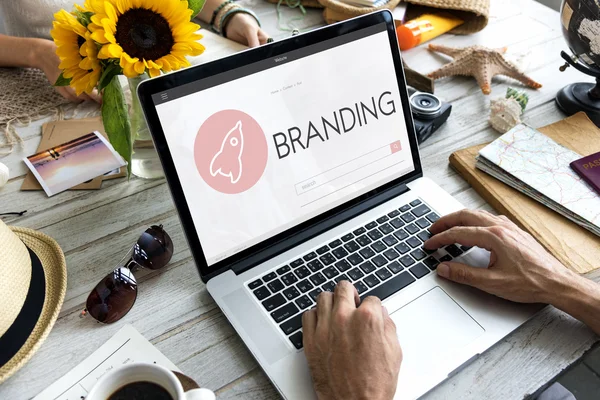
[
  {"x": 20, "y": 52},
  {"x": 580, "y": 298}
]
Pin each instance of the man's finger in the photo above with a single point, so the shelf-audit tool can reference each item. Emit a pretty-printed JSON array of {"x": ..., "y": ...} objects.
[
  {"x": 461, "y": 273},
  {"x": 389, "y": 324},
  {"x": 372, "y": 305},
  {"x": 463, "y": 218},
  {"x": 309, "y": 322},
  {"x": 345, "y": 296},
  {"x": 466, "y": 236},
  {"x": 324, "y": 306}
]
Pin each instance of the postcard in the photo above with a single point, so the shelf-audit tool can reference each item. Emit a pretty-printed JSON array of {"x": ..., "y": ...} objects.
[{"x": 79, "y": 160}]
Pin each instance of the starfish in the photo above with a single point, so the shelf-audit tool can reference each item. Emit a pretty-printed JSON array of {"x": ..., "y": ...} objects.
[{"x": 480, "y": 62}]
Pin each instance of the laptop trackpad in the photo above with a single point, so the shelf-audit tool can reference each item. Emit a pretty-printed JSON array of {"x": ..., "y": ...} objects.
[{"x": 430, "y": 328}]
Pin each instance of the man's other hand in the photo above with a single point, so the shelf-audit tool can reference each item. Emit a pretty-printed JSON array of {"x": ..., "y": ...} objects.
[
  {"x": 520, "y": 269},
  {"x": 352, "y": 350}
]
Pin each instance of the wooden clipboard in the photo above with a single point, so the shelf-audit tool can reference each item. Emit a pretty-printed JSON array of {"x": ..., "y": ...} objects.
[{"x": 575, "y": 247}]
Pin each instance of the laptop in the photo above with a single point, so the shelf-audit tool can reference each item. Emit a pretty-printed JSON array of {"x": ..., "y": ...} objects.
[{"x": 294, "y": 166}]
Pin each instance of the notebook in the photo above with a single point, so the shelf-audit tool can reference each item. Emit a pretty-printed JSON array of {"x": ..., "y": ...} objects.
[
  {"x": 537, "y": 166},
  {"x": 577, "y": 248}
]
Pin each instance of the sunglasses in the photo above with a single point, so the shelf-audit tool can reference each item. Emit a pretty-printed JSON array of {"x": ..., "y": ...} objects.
[{"x": 114, "y": 295}]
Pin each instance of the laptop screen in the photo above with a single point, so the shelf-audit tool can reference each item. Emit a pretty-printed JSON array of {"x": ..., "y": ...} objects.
[{"x": 267, "y": 146}]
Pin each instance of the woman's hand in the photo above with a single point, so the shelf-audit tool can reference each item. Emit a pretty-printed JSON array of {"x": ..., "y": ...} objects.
[
  {"x": 45, "y": 58},
  {"x": 244, "y": 29}
]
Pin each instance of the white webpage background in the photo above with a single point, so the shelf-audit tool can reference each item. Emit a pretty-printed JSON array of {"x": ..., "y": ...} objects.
[{"x": 330, "y": 80}]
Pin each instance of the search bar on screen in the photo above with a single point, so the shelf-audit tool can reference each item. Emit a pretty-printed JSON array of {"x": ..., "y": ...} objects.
[{"x": 347, "y": 168}]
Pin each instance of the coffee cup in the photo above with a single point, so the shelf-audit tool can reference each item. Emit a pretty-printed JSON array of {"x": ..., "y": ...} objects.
[{"x": 149, "y": 374}]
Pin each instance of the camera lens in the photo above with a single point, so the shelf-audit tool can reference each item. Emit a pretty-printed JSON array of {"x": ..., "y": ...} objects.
[{"x": 425, "y": 104}]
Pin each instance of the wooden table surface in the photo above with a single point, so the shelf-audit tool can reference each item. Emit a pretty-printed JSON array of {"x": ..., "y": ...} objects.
[{"x": 174, "y": 310}]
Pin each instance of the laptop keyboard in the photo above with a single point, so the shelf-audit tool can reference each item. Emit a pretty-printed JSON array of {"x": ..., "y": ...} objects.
[{"x": 379, "y": 259}]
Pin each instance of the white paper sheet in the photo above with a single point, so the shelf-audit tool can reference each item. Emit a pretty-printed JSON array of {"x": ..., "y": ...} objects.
[{"x": 125, "y": 347}]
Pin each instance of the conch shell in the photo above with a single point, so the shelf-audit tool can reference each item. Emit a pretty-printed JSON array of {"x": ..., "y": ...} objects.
[{"x": 504, "y": 114}]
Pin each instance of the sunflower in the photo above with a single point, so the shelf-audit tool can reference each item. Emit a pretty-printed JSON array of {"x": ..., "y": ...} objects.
[
  {"x": 144, "y": 35},
  {"x": 77, "y": 52}
]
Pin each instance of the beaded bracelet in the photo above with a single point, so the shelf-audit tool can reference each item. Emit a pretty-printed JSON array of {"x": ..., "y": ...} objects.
[
  {"x": 218, "y": 27},
  {"x": 214, "y": 16},
  {"x": 231, "y": 13}
]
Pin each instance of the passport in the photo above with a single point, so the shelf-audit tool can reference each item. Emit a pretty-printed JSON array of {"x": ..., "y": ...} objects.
[{"x": 589, "y": 169}]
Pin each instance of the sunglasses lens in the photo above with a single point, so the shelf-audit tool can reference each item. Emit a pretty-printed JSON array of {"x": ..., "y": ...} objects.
[
  {"x": 153, "y": 249},
  {"x": 113, "y": 297}
]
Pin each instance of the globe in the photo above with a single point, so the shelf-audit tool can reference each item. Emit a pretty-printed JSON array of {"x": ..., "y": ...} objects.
[{"x": 580, "y": 22}]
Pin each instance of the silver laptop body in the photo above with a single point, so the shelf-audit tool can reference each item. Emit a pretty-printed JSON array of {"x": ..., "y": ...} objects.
[{"x": 333, "y": 191}]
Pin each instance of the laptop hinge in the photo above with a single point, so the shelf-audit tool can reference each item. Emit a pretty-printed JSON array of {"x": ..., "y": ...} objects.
[{"x": 323, "y": 226}]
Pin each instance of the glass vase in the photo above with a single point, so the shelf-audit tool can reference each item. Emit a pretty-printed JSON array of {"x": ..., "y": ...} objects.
[{"x": 144, "y": 161}]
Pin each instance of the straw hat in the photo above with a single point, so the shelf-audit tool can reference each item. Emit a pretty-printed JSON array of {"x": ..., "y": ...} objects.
[{"x": 33, "y": 282}]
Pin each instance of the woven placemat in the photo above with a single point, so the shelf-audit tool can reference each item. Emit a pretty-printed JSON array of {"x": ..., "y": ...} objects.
[
  {"x": 475, "y": 13},
  {"x": 26, "y": 96}
]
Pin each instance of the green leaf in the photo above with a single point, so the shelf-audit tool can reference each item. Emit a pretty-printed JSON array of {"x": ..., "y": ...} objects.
[
  {"x": 110, "y": 71},
  {"x": 62, "y": 81},
  {"x": 84, "y": 17},
  {"x": 116, "y": 120},
  {"x": 196, "y": 6}
]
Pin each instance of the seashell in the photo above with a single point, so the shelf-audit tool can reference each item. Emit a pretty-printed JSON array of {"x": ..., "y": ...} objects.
[{"x": 504, "y": 114}]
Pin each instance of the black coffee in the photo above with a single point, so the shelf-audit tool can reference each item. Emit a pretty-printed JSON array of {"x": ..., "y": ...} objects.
[{"x": 141, "y": 391}]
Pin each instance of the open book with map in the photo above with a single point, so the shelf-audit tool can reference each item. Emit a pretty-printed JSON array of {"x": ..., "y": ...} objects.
[{"x": 537, "y": 166}]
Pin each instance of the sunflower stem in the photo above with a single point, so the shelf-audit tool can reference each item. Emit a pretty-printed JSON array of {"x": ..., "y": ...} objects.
[
  {"x": 116, "y": 120},
  {"x": 139, "y": 129}
]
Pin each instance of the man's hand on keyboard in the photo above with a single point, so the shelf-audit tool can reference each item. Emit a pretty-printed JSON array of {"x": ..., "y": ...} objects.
[
  {"x": 520, "y": 268},
  {"x": 352, "y": 350}
]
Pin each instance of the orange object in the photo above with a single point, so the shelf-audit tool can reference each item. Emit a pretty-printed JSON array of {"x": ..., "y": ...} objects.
[{"x": 425, "y": 28}]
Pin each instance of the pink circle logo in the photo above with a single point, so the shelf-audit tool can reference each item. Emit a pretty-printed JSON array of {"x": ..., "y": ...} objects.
[{"x": 230, "y": 151}]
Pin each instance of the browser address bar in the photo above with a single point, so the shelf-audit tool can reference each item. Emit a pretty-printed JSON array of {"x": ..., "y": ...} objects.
[{"x": 347, "y": 168}]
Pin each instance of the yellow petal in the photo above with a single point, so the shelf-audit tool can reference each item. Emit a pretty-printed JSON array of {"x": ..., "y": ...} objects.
[
  {"x": 129, "y": 71},
  {"x": 181, "y": 47},
  {"x": 96, "y": 20},
  {"x": 99, "y": 36},
  {"x": 154, "y": 64},
  {"x": 123, "y": 5},
  {"x": 109, "y": 27},
  {"x": 183, "y": 30},
  {"x": 115, "y": 50},
  {"x": 86, "y": 64},
  {"x": 153, "y": 72},
  {"x": 139, "y": 67},
  {"x": 127, "y": 58},
  {"x": 68, "y": 63},
  {"x": 109, "y": 33},
  {"x": 111, "y": 12}
]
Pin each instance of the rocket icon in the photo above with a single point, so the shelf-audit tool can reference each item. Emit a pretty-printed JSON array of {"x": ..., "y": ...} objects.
[{"x": 228, "y": 160}]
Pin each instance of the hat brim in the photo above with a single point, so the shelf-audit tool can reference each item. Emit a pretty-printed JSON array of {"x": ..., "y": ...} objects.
[{"x": 54, "y": 275}]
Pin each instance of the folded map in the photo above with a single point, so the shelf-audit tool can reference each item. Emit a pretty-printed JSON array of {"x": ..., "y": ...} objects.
[{"x": 537, "y": 166}]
